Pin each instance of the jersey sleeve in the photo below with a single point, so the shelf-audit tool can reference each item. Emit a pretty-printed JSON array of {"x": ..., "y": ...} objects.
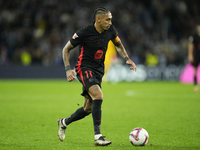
[
  {"x": 115, "y": 33},
  {"x": 77, "y": 38}
]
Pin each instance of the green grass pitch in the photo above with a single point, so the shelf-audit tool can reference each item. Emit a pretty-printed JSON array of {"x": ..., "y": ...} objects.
[{"x": 29, "y": 109}]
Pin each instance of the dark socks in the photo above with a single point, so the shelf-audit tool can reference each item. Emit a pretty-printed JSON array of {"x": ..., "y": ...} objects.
[
  {"x": 96, "y": 114},
  {"x": 195, "y": 80},
  {"x": 79, "y": 114}
]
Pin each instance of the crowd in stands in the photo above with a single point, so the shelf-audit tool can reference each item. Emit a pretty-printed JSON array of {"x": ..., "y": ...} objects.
[{"x": 34, "y": 32}]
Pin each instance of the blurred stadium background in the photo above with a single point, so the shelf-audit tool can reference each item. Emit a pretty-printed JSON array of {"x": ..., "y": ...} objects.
[{"x": 154, "y": 32}]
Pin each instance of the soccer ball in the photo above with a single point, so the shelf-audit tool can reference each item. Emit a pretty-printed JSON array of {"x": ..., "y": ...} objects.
[{"x": 139, "y": 137}]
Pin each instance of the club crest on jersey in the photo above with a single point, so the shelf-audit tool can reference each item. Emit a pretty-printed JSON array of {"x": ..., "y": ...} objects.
[
  {"x": 74, "y": 36},
  {"x": 98, "y": 54},
  {"x": 91, "y": 79}
]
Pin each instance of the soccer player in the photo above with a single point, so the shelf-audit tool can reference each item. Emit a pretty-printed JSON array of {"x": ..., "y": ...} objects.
[
  {"x": 93, "y": 41},
  {"x": 194, "y": 53}
]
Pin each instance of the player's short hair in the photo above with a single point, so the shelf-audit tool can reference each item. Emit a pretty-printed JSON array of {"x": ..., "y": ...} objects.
[{"x": 100, "y": 10}]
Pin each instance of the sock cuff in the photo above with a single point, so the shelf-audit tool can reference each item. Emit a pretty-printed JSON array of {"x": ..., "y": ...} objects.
[
  {"x": 82, "y": 109},
  {"x": 97, "y": 136},
  {"x": 63, "y": 122},
  {"x": 97, "y": 101}
]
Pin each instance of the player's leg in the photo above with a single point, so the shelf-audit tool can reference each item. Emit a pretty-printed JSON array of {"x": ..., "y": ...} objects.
[
  {"x": 195, "y": 65},
  {"x": 97, "y": 97},
  {"x": 195, "y": 80},
  {"x": 77, "y": 115},
  {"x": 195, "y": 75}
]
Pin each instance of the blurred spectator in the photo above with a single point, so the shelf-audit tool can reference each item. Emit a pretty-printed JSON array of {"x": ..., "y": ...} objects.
[
  {"x": 42, "y": 27},
  {"x": 4, "y": 55},
  {"x": 151, "y": 59}
]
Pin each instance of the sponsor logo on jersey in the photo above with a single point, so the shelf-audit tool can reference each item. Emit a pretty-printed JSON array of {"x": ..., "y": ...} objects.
[{"x": 74, "y": 36}]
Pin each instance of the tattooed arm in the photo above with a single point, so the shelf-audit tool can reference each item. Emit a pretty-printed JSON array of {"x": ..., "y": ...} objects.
[
  {"x": 65, "y": 53},
  {"x": 121, "y": 50}
]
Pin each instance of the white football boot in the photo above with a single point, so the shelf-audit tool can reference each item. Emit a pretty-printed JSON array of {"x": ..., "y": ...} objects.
[
  {"x": 102, "y": 142},
  {"x": 61, "y": 131}
]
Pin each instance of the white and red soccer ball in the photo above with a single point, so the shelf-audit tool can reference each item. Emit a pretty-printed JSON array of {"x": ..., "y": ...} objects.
[{"x": 139, "y": 137}]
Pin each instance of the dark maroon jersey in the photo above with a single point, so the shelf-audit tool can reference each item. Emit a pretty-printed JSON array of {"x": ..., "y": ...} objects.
[
  {"x": 196, "y": 41},
  {"x": 93, "y": 46}
]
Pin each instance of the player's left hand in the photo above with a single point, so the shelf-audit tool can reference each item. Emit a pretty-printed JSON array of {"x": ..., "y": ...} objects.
[{"x": 132, "y": 64}]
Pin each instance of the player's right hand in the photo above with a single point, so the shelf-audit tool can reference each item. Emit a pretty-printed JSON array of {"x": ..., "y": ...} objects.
[{"x": 71, "y": 75}]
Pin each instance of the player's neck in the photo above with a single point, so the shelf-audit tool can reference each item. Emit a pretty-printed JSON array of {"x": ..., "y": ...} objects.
[{"x": 98, "y": 28}]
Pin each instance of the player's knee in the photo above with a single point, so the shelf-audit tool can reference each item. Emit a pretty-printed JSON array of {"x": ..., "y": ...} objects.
[
  {"x": 95, "y": 92},
  {"x": 98, "y": 95}
]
